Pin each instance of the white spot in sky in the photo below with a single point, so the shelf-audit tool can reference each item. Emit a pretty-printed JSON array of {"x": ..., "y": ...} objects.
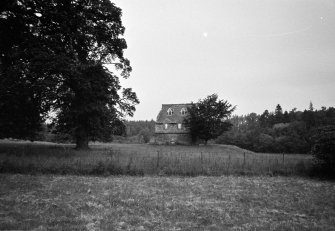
[
  {"x": 205, "y": 34},
  {"x": 321, "y": 18}
]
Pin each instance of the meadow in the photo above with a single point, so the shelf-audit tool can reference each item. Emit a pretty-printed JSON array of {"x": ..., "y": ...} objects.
[
  {"x": 47, "y": 186},
  {"x": 143, "y": 159},
  {"x": 55, "y": 202}
]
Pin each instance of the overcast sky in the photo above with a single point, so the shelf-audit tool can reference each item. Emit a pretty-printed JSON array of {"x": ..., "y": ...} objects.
[{"x": 255, "y": 54}]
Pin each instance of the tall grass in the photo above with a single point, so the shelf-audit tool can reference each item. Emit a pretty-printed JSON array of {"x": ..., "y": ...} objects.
[{"x": 139, "y": 159}]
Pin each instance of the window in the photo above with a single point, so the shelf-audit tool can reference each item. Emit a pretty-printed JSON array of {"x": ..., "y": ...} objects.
[
  {"x": 179, "y": 126},
  {"x": 166, "y": 126},
  {"x": 169, "y": 111},
  {"x": 183, "y": 111}
]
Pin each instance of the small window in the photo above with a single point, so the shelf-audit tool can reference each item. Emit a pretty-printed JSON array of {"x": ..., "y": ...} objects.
[
  {"x": 166, "y": 126},
  {"x": 179, "y": 126},
  {"x": 169, "y": 111},
  {"x": 183, "y": 111}
]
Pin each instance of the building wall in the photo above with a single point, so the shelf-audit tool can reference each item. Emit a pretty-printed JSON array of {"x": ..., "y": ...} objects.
[
  {"x": 172, "y": 138},
  {"x": 172, "y": 134},
  {"x": 171, "y": 128}
]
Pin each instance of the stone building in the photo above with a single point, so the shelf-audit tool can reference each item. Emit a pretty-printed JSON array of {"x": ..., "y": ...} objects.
[{"x": 169, "y": 127}]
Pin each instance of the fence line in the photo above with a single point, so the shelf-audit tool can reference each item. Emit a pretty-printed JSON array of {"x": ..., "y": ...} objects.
[{"x": 151, "y": 160}]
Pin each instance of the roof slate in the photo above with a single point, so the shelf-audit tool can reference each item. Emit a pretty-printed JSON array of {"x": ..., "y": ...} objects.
[{"x": 176, "y": 117}]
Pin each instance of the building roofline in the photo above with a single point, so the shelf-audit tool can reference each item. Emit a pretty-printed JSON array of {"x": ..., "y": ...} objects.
[{"x": 176, "y": 104}]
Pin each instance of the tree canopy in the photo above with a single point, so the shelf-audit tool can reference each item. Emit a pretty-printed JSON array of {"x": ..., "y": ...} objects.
[
  {"x": 52, "y": 58},
  {"x": 290, "y": 132},
  {"x": 206, "y": 119}
]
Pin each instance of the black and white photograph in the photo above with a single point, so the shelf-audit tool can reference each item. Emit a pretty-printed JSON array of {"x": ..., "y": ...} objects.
[{"x": 166, "y": 115}]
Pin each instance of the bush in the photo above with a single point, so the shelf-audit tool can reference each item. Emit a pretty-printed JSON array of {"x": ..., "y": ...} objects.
[{"x": 323, "y": 150}]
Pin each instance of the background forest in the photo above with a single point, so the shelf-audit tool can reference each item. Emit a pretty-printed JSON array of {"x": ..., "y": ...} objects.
[
  {"x": 275, "y": 131},
  {"x": 279, "y": 131}
]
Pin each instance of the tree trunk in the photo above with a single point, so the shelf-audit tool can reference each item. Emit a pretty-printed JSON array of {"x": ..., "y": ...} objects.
[{"x": 81, "y": 139}]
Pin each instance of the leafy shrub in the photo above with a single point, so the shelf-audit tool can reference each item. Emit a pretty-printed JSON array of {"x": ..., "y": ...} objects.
[{"x": 323, "y": 150}]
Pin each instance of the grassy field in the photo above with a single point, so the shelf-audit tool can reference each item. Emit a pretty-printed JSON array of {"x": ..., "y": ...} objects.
[
  {"x": 143, "y": 159},
  {"x": 49, "y": 202}
]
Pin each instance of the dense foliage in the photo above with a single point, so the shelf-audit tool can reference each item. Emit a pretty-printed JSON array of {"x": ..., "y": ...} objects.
[
  {"x": 52, "y": 57},
  {"x": 323, "y": 149},
  {"x": 142, "y": 131},
  {"x": 278, "y": 131},
  {"x": 206, "y": 119}
]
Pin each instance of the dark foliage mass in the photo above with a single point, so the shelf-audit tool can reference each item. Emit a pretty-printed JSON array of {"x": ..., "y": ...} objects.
[
  {"x": 52, "y": 57},
  {"x": 140, "y": 131},
  {"x": 207, "y": 119},
  {"x": 278, "y": 131},
  {"x": 323, "y": 150}
]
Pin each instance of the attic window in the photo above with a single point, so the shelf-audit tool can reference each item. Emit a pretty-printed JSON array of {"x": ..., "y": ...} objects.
[
  {"x": 183, "y": 111},
  {"x": 169, "y": 111}
]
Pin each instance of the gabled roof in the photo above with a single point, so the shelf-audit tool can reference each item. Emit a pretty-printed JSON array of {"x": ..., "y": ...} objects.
[{"x": 176, "y": 116}]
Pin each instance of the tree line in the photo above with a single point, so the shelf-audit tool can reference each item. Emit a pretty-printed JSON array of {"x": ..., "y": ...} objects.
[
  {"x": 140, "y": 131},
  {"x": 278, "y": 131}
]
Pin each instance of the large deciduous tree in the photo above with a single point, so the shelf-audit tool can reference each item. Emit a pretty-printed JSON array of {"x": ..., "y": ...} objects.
[
  {"x": 207, "y": 118},
  {"x": 52, "y": 57}
]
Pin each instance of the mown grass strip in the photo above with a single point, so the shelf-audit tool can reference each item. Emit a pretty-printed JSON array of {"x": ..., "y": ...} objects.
[{"x": 49, "y": 202}]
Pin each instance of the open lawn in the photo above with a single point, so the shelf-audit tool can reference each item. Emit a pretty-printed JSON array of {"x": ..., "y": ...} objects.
[
  {"x": 49, "y": 202},
  {"x": 144, "y": 159}
]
